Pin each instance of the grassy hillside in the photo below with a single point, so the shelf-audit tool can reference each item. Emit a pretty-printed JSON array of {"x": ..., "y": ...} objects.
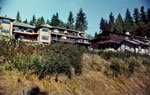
[{"x": 90, "y": 72}]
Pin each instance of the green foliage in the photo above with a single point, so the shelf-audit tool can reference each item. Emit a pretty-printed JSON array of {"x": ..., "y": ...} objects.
[
  {"x": 55, "y": 20},
  {"x": 26, "y": 21},
  {"x": 128, "y": 21},
  {"x": 104, "y": 25},
  {"x": 70, "y": 19},
  {"x": 119, "y": 24},
  {"x": 81, "y": 22},
  {"x": 146, "y": 61},
  {"x": 131, "y": 66},
  {"x": 40, "y": 21},
  {"x": 18, "y": 18},
  {"x": 115, "y": 66},
  {"x": 53, "y": 59}
]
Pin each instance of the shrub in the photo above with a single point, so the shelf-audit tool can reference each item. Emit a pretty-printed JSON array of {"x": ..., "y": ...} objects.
[
  {"x": 146, "y": 62},
  {"x": 115, "y": 67},
  {"x": 131, "y": 66}
]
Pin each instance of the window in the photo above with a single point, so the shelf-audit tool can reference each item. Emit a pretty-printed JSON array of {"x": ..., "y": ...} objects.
[
  {"x": 56, "y": 30},
  {"x": 21, "y": 37},
  {"x": 13, "y": 36},
  {"x": 73, "y": 33},
  {"x": 16, "y": 28},
  {"x": 65, "y": 32},
  {"x": 44, "y": 37},
  {"x": 22, "y": 29},
  {"x": 5, "y": 21},
  {"x": 5, "y": 31},
  {"x": 45, "y": 29},
  {"x": 29, "y": 30}
]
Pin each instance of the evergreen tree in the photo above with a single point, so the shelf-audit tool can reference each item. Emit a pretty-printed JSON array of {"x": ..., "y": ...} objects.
[
  {"x": 95, "y": 34},
  {"x": 26, "y": 21},
  {"x": 55, "y": 20},
  {"x": 18, "y": 18},
  {"x": 119, "y": 24},
  {"x": 33, "y": 21},
  {"x": 62, "y": 24},
  {"x": 42, "y": 20},
  {"x": 38, "y": 22},
  {"x": 142, "y": 14},
  {"x": 136, "y": 15},
  {"x": 111, "y": 21},
  {"x": 128, "y": 21},
  {"x": 48, "y": 22},
  {"x": 104, "y": 26},
  {"x": 70, "y": 19},
  {"x": 81, "y": 22},
  {"x": 148, "y": 15}
]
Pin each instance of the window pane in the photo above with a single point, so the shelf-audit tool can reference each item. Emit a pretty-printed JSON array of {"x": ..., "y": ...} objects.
[
  {"x": 29, "y": 30},
  {"x": 5, "y": 21},
  {"x": 21, "y": 37},
  {"x": 22, "y": 29},
  {"x": 56, "y": 30},
  {"x": 44, "y": 37},
  {"x": 5, "y": 31},
  {"x": 16, "y": 28},
  {"x": 45, "y": 29}
]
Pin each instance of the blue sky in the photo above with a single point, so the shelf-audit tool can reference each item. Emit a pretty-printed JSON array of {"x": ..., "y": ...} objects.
[{"x": 94, "y": 9}]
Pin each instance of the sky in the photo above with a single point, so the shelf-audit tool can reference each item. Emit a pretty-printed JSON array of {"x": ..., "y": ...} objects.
[{"x": 94, "y": 9}]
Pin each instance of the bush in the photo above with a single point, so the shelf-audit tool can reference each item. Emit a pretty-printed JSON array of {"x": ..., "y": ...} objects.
[
  {"x": 146, "y": 62},
  {"x": 115, "y": 67},
  {"x": 131, "y": 66}
]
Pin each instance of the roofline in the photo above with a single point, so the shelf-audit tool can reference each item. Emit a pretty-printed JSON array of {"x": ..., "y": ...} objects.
[{"x": 2, "y": 17}]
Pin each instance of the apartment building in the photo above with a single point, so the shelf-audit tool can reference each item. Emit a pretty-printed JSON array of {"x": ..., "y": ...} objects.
[
  {"x": 42, "y": 34},
  {"x": 121, "y": 42}
]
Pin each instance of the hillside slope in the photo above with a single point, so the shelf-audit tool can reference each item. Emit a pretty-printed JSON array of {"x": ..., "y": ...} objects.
[{"x": 96, "y": 79}]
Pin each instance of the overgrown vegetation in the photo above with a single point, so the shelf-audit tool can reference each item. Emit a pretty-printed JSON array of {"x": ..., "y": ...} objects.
[{"x": 43, "y": 60}]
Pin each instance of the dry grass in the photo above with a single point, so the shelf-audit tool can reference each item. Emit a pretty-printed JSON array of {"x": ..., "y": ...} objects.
[{"x": 91, "y": 82}]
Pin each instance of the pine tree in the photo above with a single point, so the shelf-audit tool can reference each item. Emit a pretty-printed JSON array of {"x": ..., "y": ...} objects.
[
  {"x": 111, "y": 21},
  {"x": 70, "y": 19},
  {"x": 104, "y": 25},
  {"x": 95, "y": 34},
  {"x": 31, "y": 22},
  {"x": 55, "y": 20},
  {"x": 128, "y": 21},
  {"x": 119, "y": 24},
  {"x": 34, "y": 20},
  {"x": 81, "y": 22},
  {"x": 148, "y": 15},
  {"x": 136, "y": 15},
  {"x": 38, "y": 22},
  {"x": 142, "y": 14},
  {"x": 48, "y": 22},
  {"x": 18, "y": 18},
  {"x": 42, "y": 20},
  {"x": 26, "y": 21}
]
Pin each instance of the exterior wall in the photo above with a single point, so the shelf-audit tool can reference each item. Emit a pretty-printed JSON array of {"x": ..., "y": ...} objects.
[
  {"x": 6, "y": 27},
  {"x": 41, "y": 34}
]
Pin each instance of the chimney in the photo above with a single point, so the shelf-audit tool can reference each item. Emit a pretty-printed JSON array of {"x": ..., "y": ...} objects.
[
  {"x": 85, "y": 33},
  {"x": 127, "y": 33}
]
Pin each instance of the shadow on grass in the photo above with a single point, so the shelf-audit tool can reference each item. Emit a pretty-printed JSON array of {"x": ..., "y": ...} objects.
[{"x": 36, "y": 91}]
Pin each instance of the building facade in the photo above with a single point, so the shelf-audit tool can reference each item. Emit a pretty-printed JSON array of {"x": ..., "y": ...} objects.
[
  {"x": 121, "y": 42},
  {"x": 42, "y": 34}
]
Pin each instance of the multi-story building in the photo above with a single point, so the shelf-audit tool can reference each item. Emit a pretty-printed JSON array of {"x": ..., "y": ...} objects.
[
  {"x": 121, "y": 42},
  {"x": 42, "y": 34}
]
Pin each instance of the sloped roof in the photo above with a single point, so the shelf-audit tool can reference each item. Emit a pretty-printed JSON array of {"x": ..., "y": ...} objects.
[
  {"x": 7, "y": 18},
  {"x": 23, "y": 25}
]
